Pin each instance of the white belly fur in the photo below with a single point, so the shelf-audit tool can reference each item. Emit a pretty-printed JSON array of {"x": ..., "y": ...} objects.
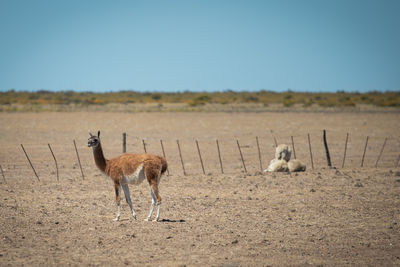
[{"x": 135, "y": 178}]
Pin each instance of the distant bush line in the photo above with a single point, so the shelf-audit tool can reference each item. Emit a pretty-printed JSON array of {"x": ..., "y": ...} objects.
[{"x": 287, "y": 98}]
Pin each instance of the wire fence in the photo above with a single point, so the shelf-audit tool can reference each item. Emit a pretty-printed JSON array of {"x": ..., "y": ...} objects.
[{"x": 189, "y": 156}]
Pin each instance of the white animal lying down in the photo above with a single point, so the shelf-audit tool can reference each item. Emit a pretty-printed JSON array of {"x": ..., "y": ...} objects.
[
  {"x": 296, "y": 165},
  {"x": 277, "y": 165},
  {"x": 282, "y": 162}
]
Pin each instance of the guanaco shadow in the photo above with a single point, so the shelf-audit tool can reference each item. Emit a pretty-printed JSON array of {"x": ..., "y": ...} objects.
[
  {"x": 171, "y": 221},
  {"x": 160, "y": 221}
]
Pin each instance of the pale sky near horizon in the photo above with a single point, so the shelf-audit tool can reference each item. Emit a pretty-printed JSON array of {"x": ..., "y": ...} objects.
[{"x": 177, "y": 45}]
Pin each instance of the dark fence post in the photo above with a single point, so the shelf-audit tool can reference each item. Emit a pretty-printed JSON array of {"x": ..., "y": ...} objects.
[
  {"x": 55, "y": 160},
  {"x": 365, "y": 149},
  {"x": 37, "y": 176},
  {"x": 328, "y": 157},
  {"x": 309, "y": 145},
  {"x": 123, "y": 142},
  {"x": 180, "y": 155},
  {"x": 144, "y": 146},
  {"x": 345, "y": 150},
  {"x": 380, "y": 154},
  {"x": 294, "y": 151},
  {"x": 201, "y": 160},
  {"x": 219, "y": 156},
  {"x": 241, "y": 156},
  {"x": 259, "y": 154},
  {"x": 79, "y": 160},
  {"x": 163, "y": 151}
]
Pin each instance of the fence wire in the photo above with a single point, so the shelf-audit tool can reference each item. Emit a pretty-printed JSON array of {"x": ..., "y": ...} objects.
[{"x": 14, "y": 163}]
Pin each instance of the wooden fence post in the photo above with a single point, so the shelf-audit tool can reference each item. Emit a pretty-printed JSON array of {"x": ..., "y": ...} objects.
[
  {"x": 79, "y": 160},
  {"x": 328, "y": 157},
  {"x": 201, "y": 160},
  {"x": 345, "y": 149},
  {"x": 259, "y": 154},
  {"x": 219, "y": 156},
  {"x": 309, "y": 145},
  {"x": 294, "y": 151},
  {"x": 37, "y": 176},
  {"x": 380, "y": 154},
  {"x": 180, "y": 155},
  {"x": 241, "y": 156},
  {"x": 365, "y": 149},
  {"x": 55, "y": 160},
  {"x": 163, "y": 151},
  {"x": 123, "y": 142},
  {"x": 144, "y": 146}
]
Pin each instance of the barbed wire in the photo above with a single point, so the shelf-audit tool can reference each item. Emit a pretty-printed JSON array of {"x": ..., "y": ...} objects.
[{"x": 381, "y": 151}]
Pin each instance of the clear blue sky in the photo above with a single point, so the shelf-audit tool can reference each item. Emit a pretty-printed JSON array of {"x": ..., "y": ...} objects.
[{"x": 304, "y": 45}]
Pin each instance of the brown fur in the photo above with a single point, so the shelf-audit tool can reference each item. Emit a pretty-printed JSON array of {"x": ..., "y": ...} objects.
[{"x": 128, "y": 163}]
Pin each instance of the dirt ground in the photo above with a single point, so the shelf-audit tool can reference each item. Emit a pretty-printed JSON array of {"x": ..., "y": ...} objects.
[{"x": 336, "y": 216}]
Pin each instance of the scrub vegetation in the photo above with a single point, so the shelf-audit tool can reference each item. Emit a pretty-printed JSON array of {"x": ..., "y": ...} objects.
[{"x": 287, "y": 98}]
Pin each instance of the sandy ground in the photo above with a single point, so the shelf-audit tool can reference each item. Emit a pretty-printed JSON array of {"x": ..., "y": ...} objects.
[{"x": 324, "y": 216}]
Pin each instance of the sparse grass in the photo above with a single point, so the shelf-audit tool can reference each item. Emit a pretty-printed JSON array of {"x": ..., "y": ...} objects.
[{"x": 193, "y": 99}]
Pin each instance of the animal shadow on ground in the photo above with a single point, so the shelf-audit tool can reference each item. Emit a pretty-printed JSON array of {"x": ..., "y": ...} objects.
[{"x": 172, "y": 221}]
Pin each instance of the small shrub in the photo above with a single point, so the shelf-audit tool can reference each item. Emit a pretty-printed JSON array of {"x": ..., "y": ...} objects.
[
  {"x": 288, "y": 97},
  {"x": 251, "y": 99},
  {"x": 288, "y": 103},
  {"x": 156, "y": 96},
  {"x": 202, "y": 98}
]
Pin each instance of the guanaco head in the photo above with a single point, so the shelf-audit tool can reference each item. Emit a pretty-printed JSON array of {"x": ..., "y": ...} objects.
[{"x": 94, "y": 140}]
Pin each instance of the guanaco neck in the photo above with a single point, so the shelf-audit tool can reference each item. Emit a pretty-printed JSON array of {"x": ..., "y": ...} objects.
[{"x": 99, "y": 158}]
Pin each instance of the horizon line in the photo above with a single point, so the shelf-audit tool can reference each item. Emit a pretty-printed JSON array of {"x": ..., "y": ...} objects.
[{"x": 289, "y": 90}]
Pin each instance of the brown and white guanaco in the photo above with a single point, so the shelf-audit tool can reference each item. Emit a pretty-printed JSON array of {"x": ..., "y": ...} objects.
[{"x": 130, "y": 169}]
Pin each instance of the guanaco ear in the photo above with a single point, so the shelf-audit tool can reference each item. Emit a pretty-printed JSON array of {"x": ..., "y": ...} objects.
[
  {"x": 98, "y": 134},
  {"x": 90, "y": 134}
]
